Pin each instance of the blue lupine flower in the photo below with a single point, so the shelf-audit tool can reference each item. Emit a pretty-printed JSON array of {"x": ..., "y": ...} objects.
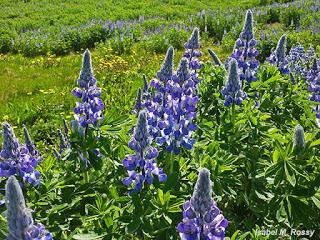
[
  {"x": 19, "y": 218},
  {"x": 245, "y": 51},
  {"x": 177, "y": 124},
  {"x": 15, "y": 158},
  {"x": 232, "y": 91},
  {"x": 155, "y": 104},
  {"x": 278, "y": 57},
  {"x": 202, "y": 218},
  {"x": 142, "y": 166},
  {"x": 89, "y": 110},
  {"x": 193, "y": 54}
]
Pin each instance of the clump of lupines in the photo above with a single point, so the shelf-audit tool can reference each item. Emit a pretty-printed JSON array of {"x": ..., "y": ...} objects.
[
  {"x": 232, "y": 91},
  {"x": 202, "y": 218},
  {"x": 88, "y": 111},
  {"x": 193, "y": 54},
  {"x": 313, "y": 81},
  {"x": 214, "y": 57},
  {"x": 278, "y": 57},
  {"x": 16, "y": 158},
  {"x": 245, "y": 51},
  {"x": 299, "y": 140},
  {"x": 19, "y": 218},
  {"x": 172, "y": 110},
  {"x": 142, "y": 166},
  {"x": 177, "y": 125}
]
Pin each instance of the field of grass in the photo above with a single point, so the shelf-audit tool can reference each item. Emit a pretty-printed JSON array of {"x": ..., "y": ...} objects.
[{"x": 264, "y": 172}]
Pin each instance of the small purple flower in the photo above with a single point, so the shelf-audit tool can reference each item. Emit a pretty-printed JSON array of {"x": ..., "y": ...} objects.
[{"x": 202, "y": 218}]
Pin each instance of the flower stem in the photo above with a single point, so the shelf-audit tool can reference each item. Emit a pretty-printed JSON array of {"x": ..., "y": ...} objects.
[
  {"x": 233, "y": 114},
  {"x": 171, "y": 162}
]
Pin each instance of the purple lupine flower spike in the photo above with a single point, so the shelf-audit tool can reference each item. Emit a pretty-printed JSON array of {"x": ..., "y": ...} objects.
[
  {"x": 88, "y": 111},
  {"x": 28, "y": 142},
  {"x": 245, "y": 51},
  {"x": 142, "y": 165},
  {"x": 17, "y": 159},
  {"x": 19, "y": 218},
  {"x": 232, "y": 91},
  {"x": 166, "y": 70},
  {"x": 193, "y": 54},
  {"x": 278, "y": 57},
  {"x": 202, "y": 219}
]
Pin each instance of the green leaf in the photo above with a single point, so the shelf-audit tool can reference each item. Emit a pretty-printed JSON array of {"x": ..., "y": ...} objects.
[
  {"x": 316, "y": 201},
  {"x": 275, "y": 156},
  {"x": 89, "y": 236},
  {"x": 134, "y": 225},
  {"x": 290, "y": 174},
  {"x": 234, "y": 235},
  {"x": 315, "y": 143},
  {"x": 161, "y": 196}
]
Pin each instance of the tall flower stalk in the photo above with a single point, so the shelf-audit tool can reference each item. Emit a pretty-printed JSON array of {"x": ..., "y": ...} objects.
[
  {"x": 232, "y": 92},
  {"x": 17, "y": 158},
  {"x": 193, "y": 54},
  {"x": 245, "y": 51},
  {"x": 87, "y": 116},
  {"x": 142, "y": 165},
  {"x": 19, "y": 218},
  {"x": 88, "y": 110},
  {"x": 202, "y": 218},
  {"x": 278, "y": 57}
]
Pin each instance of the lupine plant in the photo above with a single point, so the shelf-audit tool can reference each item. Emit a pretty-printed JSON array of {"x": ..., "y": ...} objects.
[
  {"x": 202, "y": 219},
  {"x": 89, "y": 110},
  {"x": 87, "y": 118},
  {"x": 245, "y": 51},
  {"x": 193, "y": 54},
  {"x": 17, "y": 158},
  {"x": 19, "y": 218},
  {"x": 232, "y": 92},
  {"x": 142, "y": 165},
  {"x": 155, "y": 108},
  {"x": 278, "y": 57}
]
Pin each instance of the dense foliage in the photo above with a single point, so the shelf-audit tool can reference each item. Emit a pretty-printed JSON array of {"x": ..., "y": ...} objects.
[{"x": 206, "y": 150}]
